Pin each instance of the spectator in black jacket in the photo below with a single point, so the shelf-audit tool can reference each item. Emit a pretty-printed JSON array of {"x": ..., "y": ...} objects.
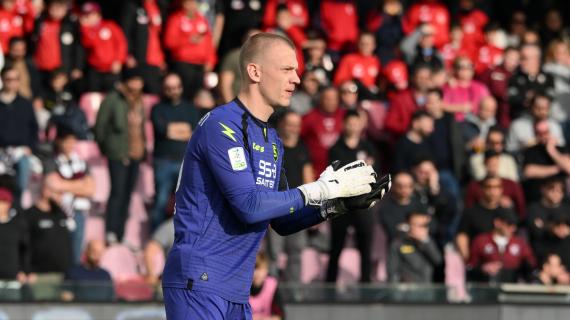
[
  {"x": 348, "y": 148},
  {"x": 413, "y": 257},
  {"x": 414, "y": 145},
  {"x": 142, "y": 24},
  {"x": 18, "y": 126},
  {"x": 13, "y": 235}
]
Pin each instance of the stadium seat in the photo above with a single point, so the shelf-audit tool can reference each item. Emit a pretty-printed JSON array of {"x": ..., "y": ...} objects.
[
  {"x": 348, "y": 266},
  {"x": 136, "y": 227},
  {"x": 455, "y": 274},
  {"x": 121, "y": 263},
  {"x": 90, "y": 102},
  {"x": 313, "y": 265},
  {"x": 135, "y": 289}
]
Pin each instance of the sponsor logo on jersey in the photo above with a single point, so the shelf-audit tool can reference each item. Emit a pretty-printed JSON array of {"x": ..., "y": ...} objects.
[{"x": 237, "y": 159}]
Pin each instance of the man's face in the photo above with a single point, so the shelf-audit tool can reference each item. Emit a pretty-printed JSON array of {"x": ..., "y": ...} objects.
[
  {"x": 189, "y": 6},
  {"x": 403, "y": 186},
  {"x": 310, "y": 83},
  {"x": 423, "y": 172},
  {"x": 425, "y": 126},
  {"x": 57, "y": 10},
  {"x": 422, "y": 79},
  {"x": 349, "y": 93},
  {"x": 488, "y": 108},
  {"x": 541, "y": 108},
  {"x": 135, "y": 85},
  {"x": 11, "y": 81},
  {"x": 291, "y": 126},
  {"x": 553, "y": 266},
  {"x": 90, "y": 19},
  {"x": 353, "y": 127},
  {"x": 67, "y": 144},
  {"x": 278, "y": 74},
  {"x": 95, "y": 252},
  {"x": 172, "y": 87},
  {"x": 18, "y": 50},
  {"x": 542, "y": 132},
  {"x": 496, "y": 141},
  {"x": 504, "y": 228},
  {"x": 433, "y": 103},
  {"x": 464, "y": 70},
  {"x": 512, "y": 59},
  {"x": 553, "y": 192},
  {"x": 419, "y": 225},
  {"x": 492, "y": 190},
  {"x": 329, "y": 100},
  {"x": 530, "y": 58},
  {"x": 366, "y": 45}
]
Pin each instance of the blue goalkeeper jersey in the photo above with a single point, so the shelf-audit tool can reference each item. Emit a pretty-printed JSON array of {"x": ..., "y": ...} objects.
[{"x": 226, "y": 197}]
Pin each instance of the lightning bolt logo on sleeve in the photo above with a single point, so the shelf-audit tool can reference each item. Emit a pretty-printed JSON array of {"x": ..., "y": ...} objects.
[{"x": 228, "y": 132}]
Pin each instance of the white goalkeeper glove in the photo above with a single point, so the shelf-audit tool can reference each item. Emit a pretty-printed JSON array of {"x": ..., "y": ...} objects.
[{"x": 353, "y": 179}]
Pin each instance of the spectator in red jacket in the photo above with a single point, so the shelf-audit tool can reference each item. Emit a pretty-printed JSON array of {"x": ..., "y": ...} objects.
[
  {"x": 431, "y": 12},
  {"x": 497, "y": 80},
  {"x": 513, "y": 196},
  {"x": 395, "y": 76},
  {"x": 322, "y": 126},
  {"x": 500, "y": 256},
  {"x": 189, "y": 42},
  {"x": 404, "y": 103},
  {"x": 489, "y": 54},
  {"x": 363, "y": 65},
  {"x": 339, "y": 21},
  {"x": 56, "y": 43},
  {"x": 11, "y": 23},
  {"x": 142, "y": 24},
  {"x": 473, "y": 22},
  {"x": 105, "y": 46}
]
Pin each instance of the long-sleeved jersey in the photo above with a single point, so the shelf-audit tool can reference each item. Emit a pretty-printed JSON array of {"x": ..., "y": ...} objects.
[{"x": 227, "y": 195}]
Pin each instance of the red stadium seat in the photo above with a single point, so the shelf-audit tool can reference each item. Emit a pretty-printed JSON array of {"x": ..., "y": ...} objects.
[{"x": 121, "y": 263}]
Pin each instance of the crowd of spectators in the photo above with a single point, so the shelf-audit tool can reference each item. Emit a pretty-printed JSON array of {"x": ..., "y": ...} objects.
[{"x": 465, "y": 102}]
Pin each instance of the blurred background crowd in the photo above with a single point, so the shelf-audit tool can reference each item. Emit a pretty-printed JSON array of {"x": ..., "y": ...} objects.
[{"x": 466, "y": 103}]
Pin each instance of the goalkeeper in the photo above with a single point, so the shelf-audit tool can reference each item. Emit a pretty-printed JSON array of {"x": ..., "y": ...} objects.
[{"x": 232, "y": 187}]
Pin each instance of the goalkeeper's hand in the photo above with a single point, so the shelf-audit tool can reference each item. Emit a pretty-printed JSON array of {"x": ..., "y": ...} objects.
[
  {"x": 354, "y": 179},
  {"x": 334, "y": 208}
]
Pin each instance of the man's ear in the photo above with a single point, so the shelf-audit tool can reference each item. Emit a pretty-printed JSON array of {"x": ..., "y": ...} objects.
[{"x": 254, "y": 72}]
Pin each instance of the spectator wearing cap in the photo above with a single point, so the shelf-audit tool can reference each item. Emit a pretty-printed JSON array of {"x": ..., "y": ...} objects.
[
  {"x": 18, "y": 127},
  {"x": 403, "y": 103},
  {"x": 305, "y": 97},
  {"x": 494, "y": 141},
  {"x": 478, "y": 219},
  {"x": 386, "y": 25},
  {"x": 362, "y": 66},
  {"x": 431, "y": 12},
  {"x": 55, "y": 43},
  {"x": 472, "y": 21},
  {"x": 413, "y": 257},
  {"x": 513, "y": 196},
  {"x": 339, "y": 21},
  {"x": 142, "y": 24},
  {"x": 414, "y": 145},
  {"x": 322, "y": 127},
  {"x": 419, "y": 48},
  {"x": 528, "y": 80},
  {"x": 542, "y": 213},
  {"x": 497, "y": 80},
  {"x": 14, "y": 240},
  {"x": 463, "y": 94},
  {"x": 74, "y": 180},
  {"x": 105, "y": 48},
  {"x": 188, "y": 39},
  {"x": 173, "y": 120},
  {"x": 522, "y": 134},
  {"x": 119, "y": 132},
  {"x": 500, "y": 256}
]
